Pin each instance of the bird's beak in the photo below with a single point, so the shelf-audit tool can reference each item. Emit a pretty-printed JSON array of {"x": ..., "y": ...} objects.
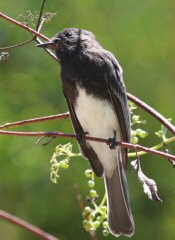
[{"x": 48, "y": 45}]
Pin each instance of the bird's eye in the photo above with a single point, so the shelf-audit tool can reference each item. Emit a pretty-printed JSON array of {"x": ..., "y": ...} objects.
[{"x": 57, "y": 40}]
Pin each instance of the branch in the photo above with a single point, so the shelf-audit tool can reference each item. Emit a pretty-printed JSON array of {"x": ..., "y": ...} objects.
[
  {"x": 152, "y": 112},
  {"x": 35, "y": 120},
  {"x": 35, "y": 32},
  {"x": 40, "y": 15},
  {"x": 17, "y": 45},
  {"x": 134, "y": 99},
  {"x": 31, "y": 228},
  {"x": 23, "y": 26},
  {"x": 102, "y": 140}
]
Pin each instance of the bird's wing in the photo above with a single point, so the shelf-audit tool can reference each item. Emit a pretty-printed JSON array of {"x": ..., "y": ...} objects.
[
  {"x": 88, "y": 152},
  {"x": 117, "y": 92}
]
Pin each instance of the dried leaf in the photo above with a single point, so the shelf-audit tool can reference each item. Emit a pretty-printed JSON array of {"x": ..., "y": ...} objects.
[{"x": 149, "y": 185}]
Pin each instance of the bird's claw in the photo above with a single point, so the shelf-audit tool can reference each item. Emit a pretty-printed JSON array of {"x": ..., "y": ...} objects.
[
  {"x": 81, "y": 137},
  {"x": 112, "y": 141}
]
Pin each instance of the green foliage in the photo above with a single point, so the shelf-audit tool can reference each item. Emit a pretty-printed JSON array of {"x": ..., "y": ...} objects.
[
  {"x": 61, "y": 159},
  {"x": 136, "y": 133}
]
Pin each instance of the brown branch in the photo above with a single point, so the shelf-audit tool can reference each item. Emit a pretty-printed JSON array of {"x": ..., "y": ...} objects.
[
  {"x": 35, "y": 120},
  {"x": 2, "y": 15},
  {"x": 102, "y": 140},
  {"x": 152, "y": 112},
  {"x": 134, "y": 99},
  {"x": 31, "y": 228}
]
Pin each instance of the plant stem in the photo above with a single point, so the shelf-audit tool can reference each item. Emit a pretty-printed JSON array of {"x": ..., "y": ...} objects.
[{"x": 158, "y": 146}]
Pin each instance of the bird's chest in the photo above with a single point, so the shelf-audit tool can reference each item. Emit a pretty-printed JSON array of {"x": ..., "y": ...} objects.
[{"x": 96, "y": 116}]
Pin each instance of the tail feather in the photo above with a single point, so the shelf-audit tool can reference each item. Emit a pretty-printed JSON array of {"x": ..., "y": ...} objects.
[{"x": 120, "y": 218}]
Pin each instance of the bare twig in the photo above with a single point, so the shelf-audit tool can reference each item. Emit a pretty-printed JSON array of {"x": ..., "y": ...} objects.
[
  {"x": 152, "y": 112},
  {"x": 38, "y": 28},
  {"x": 40, "y": 24},
  {"x": 28, "y": 29},
  {"x": 31, "y": 228},
  {"x": 40, "y": 15},
  {"x": 35, "y": 120},
  {"x": 16, "y": 45}
]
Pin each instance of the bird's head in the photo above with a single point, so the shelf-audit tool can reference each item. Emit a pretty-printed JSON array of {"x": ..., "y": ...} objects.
[{"x": 69, "y": 41}]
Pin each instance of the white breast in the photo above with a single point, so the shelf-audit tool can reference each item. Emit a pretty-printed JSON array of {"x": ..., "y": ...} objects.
[{"x": 98, "y": 118}]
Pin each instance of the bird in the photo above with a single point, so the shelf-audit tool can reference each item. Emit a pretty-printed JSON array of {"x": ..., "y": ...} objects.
[{"x": 95, "y": 92}]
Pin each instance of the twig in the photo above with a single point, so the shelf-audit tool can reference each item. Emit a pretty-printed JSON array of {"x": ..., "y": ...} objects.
[
  {"x": 38, "y": 29},
  {"x": 31, "y": 228},
  {"x": 35, "y": 120},
  {"x": 40, "y": 16},
  {"x": 152, "y": 112},
  {"x": 17, "y": 45},
  {"x": 102, "y": 140},
  {"x": 2, "y": 15}
]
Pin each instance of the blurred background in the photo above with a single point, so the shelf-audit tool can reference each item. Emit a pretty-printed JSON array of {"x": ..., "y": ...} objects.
[{"x": 141, "y": 35}]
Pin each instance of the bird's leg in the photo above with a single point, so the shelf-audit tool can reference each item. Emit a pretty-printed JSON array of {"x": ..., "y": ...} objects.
[
  {"x": 81, "y": 137},
  {"x": 112, "y": 141}
]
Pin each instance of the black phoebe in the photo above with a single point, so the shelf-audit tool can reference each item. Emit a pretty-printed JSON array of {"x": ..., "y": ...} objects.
[{"x": 96, "y": 96}]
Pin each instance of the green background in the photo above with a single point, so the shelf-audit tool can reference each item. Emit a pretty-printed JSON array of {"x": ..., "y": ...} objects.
[{"x": 141, "y": 34}]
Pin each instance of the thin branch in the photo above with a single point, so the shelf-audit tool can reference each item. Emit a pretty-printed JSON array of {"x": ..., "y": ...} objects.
[
  {"x": 41, "y": 25},
  {"x": 35, "y": 120},
  {"x": 152, "y": 112},
  {"x": 102, "y": 140},
  {"x": 156, "y": 147},
  {"x": 17, "y": 45},
  {"x": 40, "y": 15},
  {"x": 38, "y": 29},
  {"x": 45, "y": 49},
  {"x": 31, "y": 228},
  {"x": 2, "y": 15}
]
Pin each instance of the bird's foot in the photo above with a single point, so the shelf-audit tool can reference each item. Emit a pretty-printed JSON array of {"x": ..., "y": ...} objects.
[
  {"x": 81, "y": 137},
  {"x": 49, "y": 135},
  {"x": 112, "y": 141}
]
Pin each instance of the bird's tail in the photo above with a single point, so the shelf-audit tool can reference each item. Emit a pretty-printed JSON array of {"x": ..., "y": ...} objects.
[{"x": 120, "y": 218}]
